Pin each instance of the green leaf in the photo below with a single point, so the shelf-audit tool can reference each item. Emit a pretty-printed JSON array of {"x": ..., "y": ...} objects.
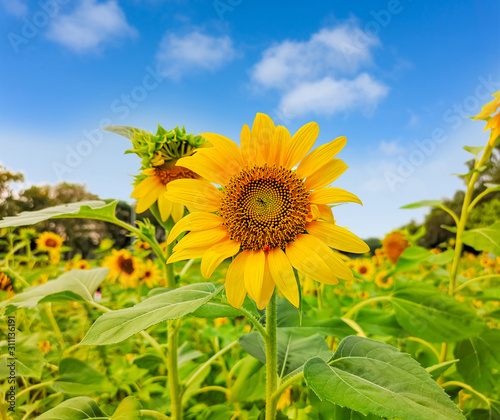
[
  {"x": 116, "y": 326},
  {"x": 78, "y": 378},
  {"x": 129, "y": 409},
  {"x": 475, "y": 150},
  {"x": 412, "y": 257},
  {"x": 250, "y": 382},
  {"x": 434, "y": 316},
  {"x": 484, "y": 239},
  {"x": 295, "y": 346},
  {"x": 440, "y": 368},
  {"x": 79, "y": 408},
  {"x": 378, "y": 322},
  {"x": 125, "y": 131},
  {"x": 424, "y": 203},
  {"x": 479, "y": 361},
  {"x": 445, "y": 257},
  {"x": 74, "y": 285},
  {"x": 69, "y": 210},
  {"x": 374, "y": 378},
  {"x": 29, "y": 359}
]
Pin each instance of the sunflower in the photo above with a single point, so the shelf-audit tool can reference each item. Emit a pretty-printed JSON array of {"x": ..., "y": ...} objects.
[
  {"x": 270, "y": 218},
  {"x": 150, "y": 274},
  {"x": 365, "y": 268},
  {"x": 493, "y": 121},
  {"x": 6, "y": 285},
  {"x": 77, "y": 264},
  {"x": 49, "y": 241},
  {"x": 383, "y": 280},
  {"x": 394, "y": 244},
  {"x": 124, "y": 266}
]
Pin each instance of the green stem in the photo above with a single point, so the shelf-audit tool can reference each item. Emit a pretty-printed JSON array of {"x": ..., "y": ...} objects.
[
  {"x": 33, "y": 387},
  {"x": 474, "y": 280},
  {"x": 48, "y": 310},
  {"x": 285, "y": 385},
  {"x": 156, "y": 414},
  {"x": 271, "y": 358},
  {"x": 357, "y": 307},
  {"x": 468, "y": 388},
  {"x": 173, "y": 372}
]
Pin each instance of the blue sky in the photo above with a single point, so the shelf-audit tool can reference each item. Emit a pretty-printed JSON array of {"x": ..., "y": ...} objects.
[{"x": 395, "y": 77}]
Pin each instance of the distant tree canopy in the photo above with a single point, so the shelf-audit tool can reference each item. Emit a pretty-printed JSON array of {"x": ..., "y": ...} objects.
[
  {"x": 82, "y": 235},
  {"x": 484, "y": 214}
]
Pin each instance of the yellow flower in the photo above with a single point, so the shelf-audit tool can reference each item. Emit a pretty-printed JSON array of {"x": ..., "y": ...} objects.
[
  {"x": 493, "y": 121},
  {"x": 285, "y": 399},
  {"x": 220, "y": 321},
  {"x": 6, "y": 285},
  {"x": 153, "y": 185},
  {"x": 460, "y": 298},
  {"x": 49, "y": 241},
  {"x": 364, "y": 295},
  {"x": 150, "y": 274},
  {"x": 384, "y": 281},
  {"x": 123, "y": 265},
  {"x": 365, "y": 268},
  {"x": 394, "y": 244},
  {"x": 277, "y": 217},
  {"x": 45, "y": 346},
  {"x": 142, "y": 246},
  {"x": 76, "y": 264}
]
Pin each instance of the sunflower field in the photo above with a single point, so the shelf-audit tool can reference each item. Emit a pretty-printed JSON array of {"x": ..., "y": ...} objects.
[{"x": 239, "y": 296}]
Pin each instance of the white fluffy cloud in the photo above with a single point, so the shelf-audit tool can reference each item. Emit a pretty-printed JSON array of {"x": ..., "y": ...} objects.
[
  {"x": 194, "y": 51},
  {"x": 90, "y": 25},
  {"x": 322, "y": 75}
]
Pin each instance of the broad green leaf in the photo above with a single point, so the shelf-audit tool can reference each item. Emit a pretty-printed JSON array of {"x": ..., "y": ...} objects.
[
  {"x": 374, "y": 378},
  {"x": 295, "y": 346},
  {"x": 334, "y": 327},
  {"x": 116, "y": 326},
  {"x": 434, "y": 316},
  {"x": 440, "y": 368},
  {"x": 479, "y": 361},
  {"x": 411, "y": 258},
  {"x": 70, "y": 210},
  {"x": 29, "y": 359},
  {"x": 78, "y": 378},
  {"x": 129, "y": 409},
  {"x": 378, "y": 322},
  {"x": 445, "y": 257},
  {"x": 250, "y": 382},
  {"x": 215, "y": 310},
  {"x": 424, "y": 203},
  {"x": 79, "y": 408},
  {"x": 484, "y": 239},
  {"x": 74, "y": 285}
]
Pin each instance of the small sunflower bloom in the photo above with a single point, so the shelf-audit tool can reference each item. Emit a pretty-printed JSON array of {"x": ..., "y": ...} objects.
[
  {"x": 492, "y": 121},
  {"x": 383, "y": 280},
  {"x": 394, "y": 244},
  {"x": 365, "y": 268},
  {"x": 271, "y": 218},
  {"x": 124, "y": 266},
  {"x": 49, "y": 241},
  {"x": 160, "y": 153},
  {"x": 6, "y": 285},
  {"x": 150, "y": 274}
]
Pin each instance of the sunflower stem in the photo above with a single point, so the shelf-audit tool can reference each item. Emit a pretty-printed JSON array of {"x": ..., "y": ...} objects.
[
  {"x": 173, "y": 372},
  {"x": 271, "y": 358}
]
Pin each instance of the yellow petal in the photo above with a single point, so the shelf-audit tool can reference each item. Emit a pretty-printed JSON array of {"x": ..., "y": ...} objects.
[
  {"x": 235, "y": 285},
  {"x": 282, "y": 273},
  {"x": 302, "y": 141},
  {"x": 165, "y": 207},
  {"x": 319, "y": 157},
  {"x": 254, "y": 273},
  {"x": 148, "y": 200},
  {"x": 203, "y": 164},
  {"x": 267, "y": 290},
  {"x": 226, "y": 147},
  {"x": 195, "y": 222},
  {"x": 337, "y": 237},
  {"x": 198, "y": 193},
  {"x": 332, "y": 195},
  {"x": 303, "y": 255},
  {"x": 216, "y": 254},
  {"x": 202, "y": 238},
  {"x": 248, "y": 150},
  {"x": 279, "y": 145},
  {"x": 325, "y": 213},
  {"x": 144, "y": 187},
  {"x": 177, "y": 212},
  {"x": 325, "y": 175},
  {"x": 189, "y": 253},
  {"x": 262, "y": 135}
]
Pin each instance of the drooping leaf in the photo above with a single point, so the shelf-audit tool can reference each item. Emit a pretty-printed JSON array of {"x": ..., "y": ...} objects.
[
  {"x": 79, "y": 408},
  {"x": 374, "y": 378},
  {"x": 129, "y": 409},
  {"x": 79, "y": 209},
  {"x": 295, "y": 346},
  {"x": 116, "y": 326},
  {"x": 78, "y": 378},
  {"x": 74, "y": 285},
  {"x": 484, "y": 239},
  {"x": 440, "y": 368},
  {"x": 479, "y": 361},
  {"x": 424, "y": 203},
  {"x": 434, "y": 316}
]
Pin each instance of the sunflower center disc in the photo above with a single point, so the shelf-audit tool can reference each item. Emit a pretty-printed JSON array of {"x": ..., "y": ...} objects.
[
  {"x": 264, "y": 207},
  {"x": 126, "y": 264},
  {"x": 51, "y": 243}
]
